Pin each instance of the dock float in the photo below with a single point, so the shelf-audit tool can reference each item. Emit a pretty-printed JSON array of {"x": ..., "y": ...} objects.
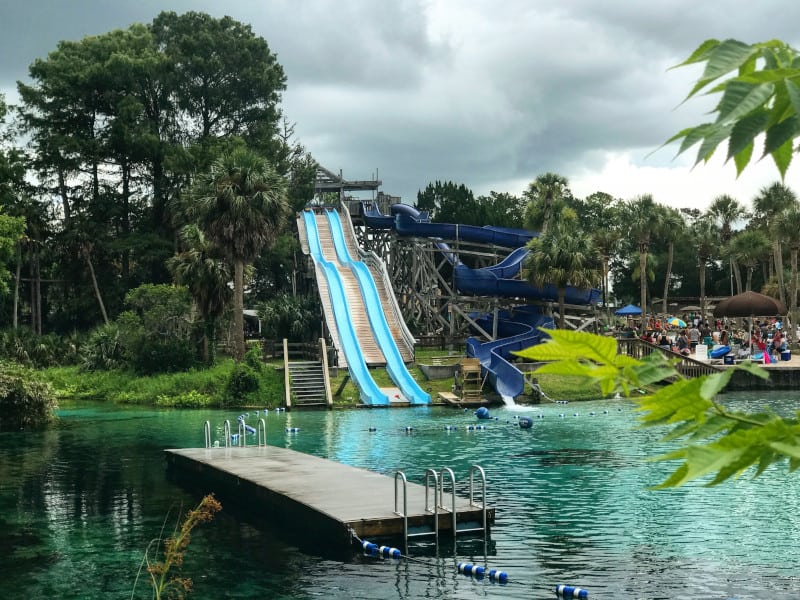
[{"x": 320, "y": 500}]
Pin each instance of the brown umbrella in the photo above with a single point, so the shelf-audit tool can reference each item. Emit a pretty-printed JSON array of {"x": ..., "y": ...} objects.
[{"x": 750, "y": 304}]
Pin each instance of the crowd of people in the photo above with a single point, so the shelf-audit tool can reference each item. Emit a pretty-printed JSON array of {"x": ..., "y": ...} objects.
[{"x": 768, "y": 335}]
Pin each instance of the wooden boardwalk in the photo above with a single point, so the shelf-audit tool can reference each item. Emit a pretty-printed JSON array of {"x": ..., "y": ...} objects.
[{"x": 317, "y": 498}]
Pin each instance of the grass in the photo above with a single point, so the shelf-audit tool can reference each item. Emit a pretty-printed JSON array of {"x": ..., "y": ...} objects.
[{"x": 206, "y": 387}]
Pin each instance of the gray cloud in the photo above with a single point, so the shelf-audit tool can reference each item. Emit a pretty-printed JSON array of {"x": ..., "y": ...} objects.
[{"x": 475, "y": 91}]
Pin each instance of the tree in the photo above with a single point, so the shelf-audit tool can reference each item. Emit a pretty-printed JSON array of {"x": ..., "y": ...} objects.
[
  {"x": 643, "y": 218},
  {"x": 726, "y": 211},
  {"x": 447, "y": 202},
  {"x": 749, "y": 248},
  {"x": 240, "y": 204},
  {"x": 201, "y": 269},
  {"x": 705, "y": 241},
  {"x": 562, "y": 257},
  {"x": 11, "y": 231},
  {"x": 768, "y": 207},
  {"x": 788, "y": 228},
  {"x": 673, "y": 228},
  {"x": 546, "y": 195},
  {"x": 760, "y": 95}
]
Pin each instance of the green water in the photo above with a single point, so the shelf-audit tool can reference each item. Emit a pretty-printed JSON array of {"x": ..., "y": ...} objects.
[{"x": 80, "y": 502}]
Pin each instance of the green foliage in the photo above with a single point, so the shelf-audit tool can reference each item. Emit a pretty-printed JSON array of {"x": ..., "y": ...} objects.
[
  {"x": 147, "y": 356},
  {"x": 190, "y": 399},
  {"x": 27, "y": 348},
  {"x": 11, "y": 230},
  {"x": 760, "y": 95},
  {"x": 25, "y": 400},
  {"x": 242, "y": 383},
  {"x": 292, "y": 317},
  {"x": 717, "y": 441},
  {"x": 103, "y": 350}
]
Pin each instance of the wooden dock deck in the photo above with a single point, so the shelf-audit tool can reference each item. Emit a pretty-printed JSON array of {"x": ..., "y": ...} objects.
[{"x": 318, "y": 499}]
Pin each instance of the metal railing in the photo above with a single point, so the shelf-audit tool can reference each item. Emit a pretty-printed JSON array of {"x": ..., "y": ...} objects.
[{"x": 687, "y": 366}]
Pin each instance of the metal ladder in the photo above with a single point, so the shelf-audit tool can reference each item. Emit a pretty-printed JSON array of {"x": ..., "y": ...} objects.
[
  {"x": 438, "y": 499},
  {"x": 241, "y": 436}
]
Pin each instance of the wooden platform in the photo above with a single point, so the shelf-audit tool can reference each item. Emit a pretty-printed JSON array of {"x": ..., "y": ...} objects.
[
  {"x": 321, "y": 500},
  {"x": 454, "y": 400}
]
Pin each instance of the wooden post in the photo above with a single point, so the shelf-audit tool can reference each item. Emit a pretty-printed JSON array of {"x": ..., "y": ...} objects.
[
  {"x": 323, "y": 349},
  {"x": 287, "y": 379}
]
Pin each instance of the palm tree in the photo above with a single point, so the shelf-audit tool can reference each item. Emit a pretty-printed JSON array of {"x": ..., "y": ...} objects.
[
  {"x": 705, "y": 241},
  {"x": 749, "y": 248},
  {"x": 643, "y": 218},
  {"x": 768, "y": 206},
  {"x": 606, "y": 240},
  {"x": 545, "y": 194},
  {"x": 788, "y": 229},
  {"x": 562, "y": 257},
  {"x": 202, "y": 271},
  {"x": 726, "y": 212},
  {"x": 240, "y": 204},
  {"x": 672, "y": 227}
]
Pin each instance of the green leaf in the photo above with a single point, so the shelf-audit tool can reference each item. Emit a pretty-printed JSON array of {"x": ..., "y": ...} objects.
[
  {"x": 700, "y": 54},
  {"x": 745, "y": 131},
  {"x": 680, "y": 401},
  {"x": 779, "y": 134},
  {"x": 771, "y": 76},
  {"x": 794, "y": 95},
  {"x": 726, "y": 57},
  {"x": 711, "y": 385},
  {"x": 741, "y": 98},
  {"x": 783, "y": 157},
  {"x": 712, "y": 140},
  {"x": 742, "y": 159},
  {"x": 700, "y": 461},
  {"x": 565, "y": 344}
]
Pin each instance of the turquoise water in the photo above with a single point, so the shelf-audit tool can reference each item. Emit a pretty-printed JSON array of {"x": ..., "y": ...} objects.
[{"x": 79, "y": 503}]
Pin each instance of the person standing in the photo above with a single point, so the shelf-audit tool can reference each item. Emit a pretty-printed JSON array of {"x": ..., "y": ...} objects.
[{"x": 694, "y": 337}]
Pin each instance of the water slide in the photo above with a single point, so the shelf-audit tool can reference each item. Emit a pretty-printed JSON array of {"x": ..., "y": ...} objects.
[
  {"x": 515, "y": 330},
  {"x": 348, "y": 340},
  {"x": 375, "y": 311}
]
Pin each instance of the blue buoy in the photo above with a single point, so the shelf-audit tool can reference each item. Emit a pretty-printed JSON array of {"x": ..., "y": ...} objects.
[
  {"x": 408, "y": 429},
  {"x": 525, "y": 422},
  {"x": 388, "y": 552},
  {"x": 373, "y": 429},
  {"x": 451, "y": 428},
  {"x": 476, "y": 427},
  {"x": 498, "y": 576},
  {"x": 483, "y": 413},
  {"x": 369, "y": 548},
  {"x": 570, "y": 591},
  {"x": 292, "y": 430},
  {"x": 479, "y": 572}
]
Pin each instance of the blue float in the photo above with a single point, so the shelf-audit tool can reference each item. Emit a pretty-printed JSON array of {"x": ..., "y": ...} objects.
[
  {"x": 570, "y": 591},
  {"x": 476, "y": 427},
  {"x": 480, "y": 572},
  {"x": 451, "y": 428},
  {"x": 720, "y": 352},
  {"x": 525, "y": 422},
  {"x": 483, "y": 413},
  {"x": 373, "y": 429},
  {"x": 292, "y": 430},
  {"x": 408, "y": 429}
]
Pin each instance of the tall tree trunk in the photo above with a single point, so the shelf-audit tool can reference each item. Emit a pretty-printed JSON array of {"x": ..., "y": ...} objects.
[
  {"x": 643, "y": 286},
  {"x": 238, "y": 308},
  {"x": 703, "y": 290},
  {"x": 17, "y": 275},
  {"x": 793, "y": 292},
  {"x": 749, "y": 278},
  {"x": 62, "y": 190},
  {"x": 562, "y": 294},
  {"x": 37, "y": 290},
  {"x": 670, "y": 256},
  {"x": 126, "y": 218},
  {"x": 88, "y": 258},
  {"x": 737, "y": 273},
  {"x": 778, "y": 251}
]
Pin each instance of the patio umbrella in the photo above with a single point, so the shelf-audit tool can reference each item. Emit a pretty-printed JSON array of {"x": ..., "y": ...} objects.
[
  {"x": 676, "y": 322},
  {"x": 690, "y": 308},
  {"x": 629, "y": 310},
  {"x": 750, "y": 304}
]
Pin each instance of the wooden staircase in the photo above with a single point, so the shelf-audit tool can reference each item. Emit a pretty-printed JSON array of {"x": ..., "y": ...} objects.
[{"x": 307, "y": 383}]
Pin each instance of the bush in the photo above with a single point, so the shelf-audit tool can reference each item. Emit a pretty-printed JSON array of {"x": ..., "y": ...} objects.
[
  {"x": 190, "y": 399},
  {"x": 243, "y": 381},
  {"x": 41, "y": 351},
  {"x": 166, "y": 355},
  {"x": 25, "y": 401},
  {"x": 103, "y": 350}
]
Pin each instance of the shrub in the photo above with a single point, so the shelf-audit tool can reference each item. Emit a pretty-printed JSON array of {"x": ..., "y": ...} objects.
[
  {"x": 190, "y": 399},
  {"x": 167, "y": 355},
  {"x": 103, "y": 350},
  {"x": 242, "y": 382},
  {"x": 25, "y": 401}
]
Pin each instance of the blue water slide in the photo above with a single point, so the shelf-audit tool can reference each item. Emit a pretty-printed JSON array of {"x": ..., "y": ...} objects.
[
  {"x": 380, "y": 328},
  {"x": 516, "y": 331},
  {"x": 359, "y": 372}
]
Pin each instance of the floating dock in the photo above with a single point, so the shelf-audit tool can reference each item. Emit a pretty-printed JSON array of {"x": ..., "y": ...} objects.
[{"x": 323, "y": 501}]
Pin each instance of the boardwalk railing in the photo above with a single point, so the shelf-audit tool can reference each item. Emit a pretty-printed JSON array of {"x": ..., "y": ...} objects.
[{"x": 688, "y": 367}]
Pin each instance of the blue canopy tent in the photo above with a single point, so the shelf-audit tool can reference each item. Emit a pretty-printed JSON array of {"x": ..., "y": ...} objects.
[{"x": 630, "y": 310}]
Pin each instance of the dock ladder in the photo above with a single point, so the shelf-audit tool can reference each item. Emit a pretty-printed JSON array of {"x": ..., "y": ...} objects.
[{"x": 437, "y": 506}]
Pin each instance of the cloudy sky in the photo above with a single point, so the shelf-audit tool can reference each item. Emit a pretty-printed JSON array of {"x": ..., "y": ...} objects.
[{"x": 485, "y": 93}]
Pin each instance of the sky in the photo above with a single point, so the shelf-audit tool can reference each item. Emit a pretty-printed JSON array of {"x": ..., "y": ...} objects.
[{"x": 485, "y": 93}]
